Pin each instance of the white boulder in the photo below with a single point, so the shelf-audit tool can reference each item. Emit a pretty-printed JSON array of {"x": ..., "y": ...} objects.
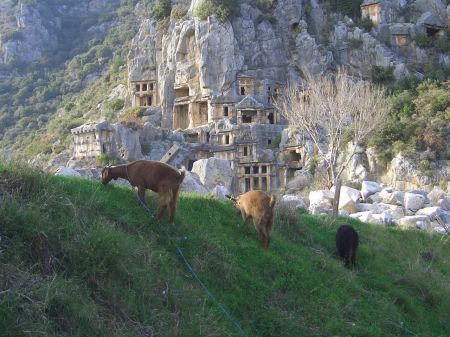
[
  {"x": 213, "y": 172},
  {"x": 445, "y": 204},
  {"x": 220, "y": 192},
  {"x": 67, "y": 171},
  {"x": 292, "y": 201},
  {"x": 364, "y": 216},
  {"x": 393, "y": 197},
  {"x": 374, "y": 198},
  {"x": 413, "y": 201},
  {"x": 191, "y": 183},
  {"x": 369, "y": 188},
  {"x": 321, "y": 198},
  {"x": 431, "y": 212},
  {"x": 413, "y": 221},
  {"x": 435, "y": 195}
]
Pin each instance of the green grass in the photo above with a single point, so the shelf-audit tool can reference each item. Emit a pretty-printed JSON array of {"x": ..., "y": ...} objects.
[{"x": 81, "y": 259}]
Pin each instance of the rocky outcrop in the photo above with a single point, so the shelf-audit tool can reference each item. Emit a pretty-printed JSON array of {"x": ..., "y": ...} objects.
[
  {"x": 406, "y": 210},
  {"x": 214, "y": 172},
  {"x": 32, "y": 29}
]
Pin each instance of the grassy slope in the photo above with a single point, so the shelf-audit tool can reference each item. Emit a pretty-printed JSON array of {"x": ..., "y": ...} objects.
[{"x": 109, "y": 271}]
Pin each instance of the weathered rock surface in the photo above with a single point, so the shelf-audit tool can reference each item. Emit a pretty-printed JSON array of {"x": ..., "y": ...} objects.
[
  {"x": 292, "y": 201},
  {"x": 369, "y": 188},
  {"x": 192, "y": 183},
  {"x": 220, "y": 192},
  {"x": 321, "y": 198},
  {"x": 414, "y": 221},
  {"x": 413, "y": 201},
  {"x": 67, "y": 171},
  {"x": 213, "y": 172}
]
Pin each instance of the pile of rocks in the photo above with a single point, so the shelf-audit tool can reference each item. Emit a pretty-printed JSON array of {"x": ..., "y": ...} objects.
[{"x": 383, "y": 205}]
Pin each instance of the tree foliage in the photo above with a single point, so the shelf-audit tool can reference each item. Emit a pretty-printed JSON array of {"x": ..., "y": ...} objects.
[{"x": 418, "y": 122}]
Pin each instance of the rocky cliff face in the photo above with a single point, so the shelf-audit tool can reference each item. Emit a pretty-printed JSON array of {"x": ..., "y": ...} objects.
[
  {"x": 30, "y": 29},
  {"x": 280, "y": 43}
]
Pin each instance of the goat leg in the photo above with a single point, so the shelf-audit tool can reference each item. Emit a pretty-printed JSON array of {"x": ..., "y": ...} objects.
[{"x": 141, "y": 193}]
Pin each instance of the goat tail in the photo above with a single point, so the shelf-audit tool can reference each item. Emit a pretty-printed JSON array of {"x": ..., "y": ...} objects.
[
  {"x": 182, "y": 174},
  {"x": 272, "y": 201}
]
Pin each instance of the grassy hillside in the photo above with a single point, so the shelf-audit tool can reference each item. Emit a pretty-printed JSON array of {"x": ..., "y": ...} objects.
[{"x": 81, "y": 259}]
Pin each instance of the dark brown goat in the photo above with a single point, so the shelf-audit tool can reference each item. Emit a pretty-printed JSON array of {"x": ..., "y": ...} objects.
[
  {"x": 347, "y": 243},
  {"x": 258, "y": 206},
  {"x": 153, "y": 175}
]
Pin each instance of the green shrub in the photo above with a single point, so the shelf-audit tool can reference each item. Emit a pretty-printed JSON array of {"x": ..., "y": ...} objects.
[
  {"x": 69, "y": 106},
  {"x": 263, "y": 5},
  {"x": 366, "y": 24},
  {"x": 178, "y": 13},
  {"x": 350, "y": 8},
  {"x": 276, "y": 141},
  {"x": 145, "y": 148},
  {"x": 354, "y": 43},
  {"x": 117, "y": 62},
  {"x": 106, "y": 159},
  {"x": 222, "y": 9},
  {"x": 161, "y": 9},
  {"x": 115, "y": 105},
  {"x": 442, "y": 43},
  {"x": 382, "y": 75},
  {"x": 423, "y": 41}
]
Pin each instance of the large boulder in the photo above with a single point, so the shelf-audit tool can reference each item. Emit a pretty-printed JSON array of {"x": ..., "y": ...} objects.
[
  {"x": 366, "y": 216},
  {"x": 317, "y": 210},
  {"x": 301, "y": 180},
  {"x": 414, "y": 221},
  {"x": 67, "y": 171},
  {"x": 413, "y": 201},
  {"x": 213, "y": 172},
  {"x": 384, "y": 218},
  {"x": 191, "y": 183},
  {"x": 347, "y": 204},
  {"x": 348, "y": 199},
  {"x": 445, "y": 204},
  {"x": 220, "y": 192},
  {"x": 392, "y": 197},
  {"x": 369, "y": 188},
  {"x": 431, "y": 212},
  {"x": 292, "y": 201},
  {"x": 435, "y": 195},
  {"x": 127, "y": 142},
  {"x": 321, "y": 198}
]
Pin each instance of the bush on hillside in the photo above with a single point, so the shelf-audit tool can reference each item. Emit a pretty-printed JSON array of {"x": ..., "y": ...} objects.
[
  {"x": 106, "y": 159},
  {"x": 419, "y": 122},
  {"x": 161, "y": 9},
  {"x": 179, "y": 13},
  {"x": 351, "y": 8},
  {"x": 382, "y": 75},
  {"x": 115, "y": 105},
  {"x": 222, "y": 9},
  {"x": 131, "y": 118},
  {"x": 366, "y": 23}
]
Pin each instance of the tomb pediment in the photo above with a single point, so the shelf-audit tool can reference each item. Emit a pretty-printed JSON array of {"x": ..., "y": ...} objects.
[{"x": 249, "y": 102}]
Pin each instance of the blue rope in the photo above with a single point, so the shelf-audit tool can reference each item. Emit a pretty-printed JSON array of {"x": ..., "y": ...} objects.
[{"x": 192, "y": 271}]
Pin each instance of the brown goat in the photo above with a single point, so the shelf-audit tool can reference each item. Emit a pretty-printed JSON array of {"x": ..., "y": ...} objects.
[
  {"x": 153, "y": 175},
  {"x": 258, "y": 206}
]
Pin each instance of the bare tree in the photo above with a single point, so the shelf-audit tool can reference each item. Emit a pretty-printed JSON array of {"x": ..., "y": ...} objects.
[{"x": 331, "y": 109}]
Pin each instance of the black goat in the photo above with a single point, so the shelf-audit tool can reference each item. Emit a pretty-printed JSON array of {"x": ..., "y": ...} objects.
[{"x": 347, "y": 243}]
